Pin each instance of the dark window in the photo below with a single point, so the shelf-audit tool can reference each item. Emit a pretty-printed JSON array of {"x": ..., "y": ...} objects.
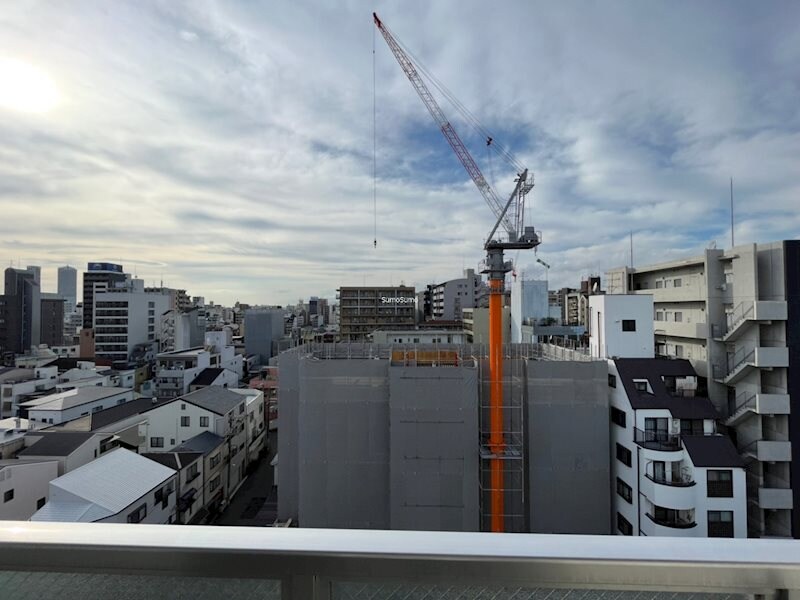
[
  {"x": 623, "y": 525},
  {"x": 8, "y": 496},
  {"x": 691, "y": 426},
  {"x": 40, "y": 503},
  {"x": 241, "y": 408},
  {"x": 157, "y": 442},
  {"x": 720, "y": 483},
  {"x": 624, "y": 490},
  {"x": 720, "y": 523},
  {"x": 214, "y": 484},
  {"x": 203, "y": 421},
  {"x": 628, "y": 325},
  {"x": 139, "y": 514},
  {"x": 183, "y": 407},
  {"x": 641, "y": 386},
  {"x": 184, "y": 421},
  {"x": 623, "y": 455},
  {"x": 612, "y": 380},
  {"x": 677, "y": 283},
  {"x": 618, "y": 416}
]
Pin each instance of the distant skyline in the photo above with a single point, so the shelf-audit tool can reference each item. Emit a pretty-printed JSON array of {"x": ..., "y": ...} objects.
[{"x": 226, "y": 147}]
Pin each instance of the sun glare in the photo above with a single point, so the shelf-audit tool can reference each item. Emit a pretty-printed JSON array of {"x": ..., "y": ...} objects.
[{"x": 26, "y": 88}]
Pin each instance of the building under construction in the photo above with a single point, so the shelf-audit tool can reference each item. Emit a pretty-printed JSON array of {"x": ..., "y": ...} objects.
[{"x": 398, "y": 437}]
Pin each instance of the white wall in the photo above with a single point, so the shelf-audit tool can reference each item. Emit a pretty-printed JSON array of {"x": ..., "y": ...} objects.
[
  {"x": 165, "y": 422},
  {"x": 30, "y": 482},
  {"x": 528, "y": 300},
  {"x": 51, "y": 416},
  {"x": 607, "y": 338}
]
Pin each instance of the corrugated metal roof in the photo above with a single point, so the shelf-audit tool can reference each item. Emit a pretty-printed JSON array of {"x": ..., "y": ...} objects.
[
  {"x": 73, "y": 398},
  {"x": 73, "y": 512},
  {"x": 214, "y": 398},
  {"x": 115, "y": 480}
]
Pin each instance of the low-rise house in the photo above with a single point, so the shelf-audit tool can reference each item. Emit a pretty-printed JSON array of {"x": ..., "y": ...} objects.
[
  {"x": 17, "y": 383},
  {"x": 190, "y": 466},
  {"x": 214, "y": 376},
  {"x": 256, "y": 423},
  {"x": 70, "y": 449},
  {"x": 72, "y": 404},
  {"x": 24, "y": 486},
  {"x": 214, "y": 448},
  {"x": 120, "y": 487},
  {"x": 12, "y": 435}
]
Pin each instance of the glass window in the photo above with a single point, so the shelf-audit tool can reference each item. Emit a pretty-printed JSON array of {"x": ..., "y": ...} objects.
[
  {"x": 628, "y": 325},
  {"x": 720, "y": 523},
  {"x": 203, "y": 421},
  {"x": 623, "y": 455},
  {"x": 623, "y": 525},
  {"x": 625, "y": 491},
  {"x": 8, "y": 496},
  {"x": 157, "y": 442},
  {"x": 659, "y": 284},
  {"x": 678, "y": 316},
  {"x": 618, "y": 417},
  {"x": 612, "y": 380},
  {"x": 677, "y": 282},
  {"x": 720, "y": 483},
  {"x": 137, "y": 515},
  {"x": 40, "y": 503},
  {"x": 184, "y": 421}
]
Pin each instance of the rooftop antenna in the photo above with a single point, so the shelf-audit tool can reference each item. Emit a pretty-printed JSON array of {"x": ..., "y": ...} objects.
[{"x": 631, "y": 249}]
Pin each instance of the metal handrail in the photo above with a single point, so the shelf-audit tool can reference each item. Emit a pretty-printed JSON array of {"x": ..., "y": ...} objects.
[
  {"x": 657, "y": 440},
  {"x": 740, "y": 357},
  {"x": 742, "y": 311},
  {"x": 674, "y": 523},
  {"x": 309, "y": 563},
  {"x": 681, "y": 480},
  {"x": 744, "y": 399}
]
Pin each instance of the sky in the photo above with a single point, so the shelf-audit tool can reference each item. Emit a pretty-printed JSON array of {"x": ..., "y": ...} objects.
[{"x": 227, "y": 147}]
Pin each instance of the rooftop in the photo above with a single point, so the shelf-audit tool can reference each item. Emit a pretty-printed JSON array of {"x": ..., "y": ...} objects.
[
  {"x": 174, "y": 460},
  {"x": 208, "y": 376},
  {"x": 187, "y": 353},
  {"x": 72, "y": 398},
  {"x": 712, "y": 451},
  {"x": 56, "y": 443},
  {"x": 114, "y": 414},
  {"x": 203, "y": 442},
  {"x": 653, "y": 369},
  {"x": 214, "y": 398},
  {"x": 107, "y": 485}
]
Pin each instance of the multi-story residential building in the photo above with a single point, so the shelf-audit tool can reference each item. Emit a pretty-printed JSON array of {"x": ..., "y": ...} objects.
[
  {"x": 98, "y": 277},
  {"x": 16, "y": 384},
  {"x": 24, "y": 486},
  {"x": 448, "y": 299},
  {"x": 120, "y": 487},
  {"x": 52, "y": 320},
  {"x": 362, "y": 310},
  {"x": 68, "y": 287},
  {"x": 177, "y": 372},
  {"x": 126, "y": 316},
  {"x": 72, "y": 404},
  {"x": 267, "y": 382},
  {"x": 673, "y": 474},
  {"x": 476, "y": 325},
  {"x": 735, "y": 315},
  {"x": 256, "y": 422},
  {"x": 190, "y": 467},
  {"x": 20, "y": 312},
  {"x": 528, "y": 301},
  {"x": 182, "y": 329},
  {"x": 215, "y": 490}
]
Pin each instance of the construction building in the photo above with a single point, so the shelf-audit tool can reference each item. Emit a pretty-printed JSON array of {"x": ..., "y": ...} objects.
[
  {"x": 476, "y": 325},
  {"x": 396, "y": 437},
  {"x": 362, "y": 310},
  {"x": 735, "y": 316}
]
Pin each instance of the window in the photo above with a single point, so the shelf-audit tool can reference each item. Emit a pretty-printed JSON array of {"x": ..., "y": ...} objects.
[
  {"x": 40, "y": 503},
  {"x": 720, "y": 523},
  {"x": 215, "y": 460},
  {"x": 213, "y": 484},
  {"x": 8, "y": 496},
  {"x": 659, "y": 315},
  {"x": 612, "y": 380},
  {"x": 618, "y": 416},
  {"x": 720, "y": 483},
  {"x": 241, "y": 408},
  {"x": 203, "y": 421},
  {"x": 184, "y": 421},
  {"x": 628, "y": 325},
  {"x": 640, "y": 385},
  {"x": 192, "y": 472},
  {"x": 623, "y": 455},
  {"x": 183, "y": 407},
  {"x": 139, "y": 514},
  {"x": 678, "y": 350},
  {"x": 678, "y": 316},
  {"x": 624, "y": 490},
  {"x": 659, "y": 284},
  {"x": 677, "y": 282},
  {"x": 692, "y": 427},
  {"x": 623, "y": 525},
  {"x": 157, "y": 442}
]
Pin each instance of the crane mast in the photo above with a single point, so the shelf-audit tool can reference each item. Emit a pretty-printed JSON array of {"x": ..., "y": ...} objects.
[{"x": 510, "y": 215}]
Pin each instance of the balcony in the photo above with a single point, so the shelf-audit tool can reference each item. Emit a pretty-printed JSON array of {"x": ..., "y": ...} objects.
[
  {"x": 672, "y": 522},
  {"x": 768, "y": 451},
  {"x": 105, "y": 560},
  {"x": 748, "y": 403},
  {"x": 657, "y": 440},
  {"x": 681, "y": 329}
]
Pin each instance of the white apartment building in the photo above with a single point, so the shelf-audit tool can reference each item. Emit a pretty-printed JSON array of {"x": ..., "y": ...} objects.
[
  {"x": 190, "y": 467},
  {"x": 448, "y": 299},
  {"x": 72, "y": 404},
  {"x": 176, "y": 371},
  {"x": 24, "y": 487},
  {"x": 16, "y": 383},
  {"x": 120, "y": 487},
  {"x": 125, "y": 316},
  {"x": 735, "y": 315},
  {"x": 673, "y": 474},
  {"x": 256, "y": 411},
  {"x": 476, "y": 325}
]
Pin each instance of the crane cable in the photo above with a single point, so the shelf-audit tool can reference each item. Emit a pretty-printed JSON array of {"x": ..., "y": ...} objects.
[{"x": 374, "y": 150}]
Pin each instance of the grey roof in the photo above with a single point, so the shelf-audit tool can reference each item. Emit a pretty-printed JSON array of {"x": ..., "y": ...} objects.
[
  {"x": 652, "y": 369},
  {"x": 203, "y": 442},
  {"x": 74, "y": 397},
  {"x": 107, "y": 485},
  {"x": 214, "y": 398},
  {"x": 207, "y": 376},
  {"x": 56, "y": 443},
  {"x": 173, "y": 460},
  {"x": 116, "y": 413},
  {"x": 712, "y": 451}
]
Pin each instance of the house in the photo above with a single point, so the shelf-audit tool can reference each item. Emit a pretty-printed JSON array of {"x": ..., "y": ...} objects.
[
  {"x": 215, "y": 491},
  {"x": 70, "y": 449},
  {"x": 190, "y": 466},
  {"x": 256, "y": 422},
  {"x": 17, "y": 383},
  {"x": 71, "y": 404},
  {"x": 120, "y": 487},
  {"x": 12, "y": 434},
  {"x": 24, "y": 486},
  {"x": 214, "y": 376}
]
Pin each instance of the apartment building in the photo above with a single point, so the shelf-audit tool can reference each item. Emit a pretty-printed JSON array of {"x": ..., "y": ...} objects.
[
  {"x": 71, "y": 404},
  {"x": 97, "y": 278},
  {"x": 18, "y": 383},
  {"x": 214, "y": 363},
  {"x": 70, "y": 449},
  {"x": 735, "y": 316},
  {"x": 24, "y": 486},
  {"x": 190, "y": 467},
  {"x": 215, "y": 490},
  {"x": 447, "y": 299},
  {"x": 476, "y": 325},
  {"x": 362, "y": 310}
]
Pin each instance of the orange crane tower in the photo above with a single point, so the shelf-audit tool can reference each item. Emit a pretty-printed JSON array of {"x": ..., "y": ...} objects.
[{"x": 510, "y": 214}]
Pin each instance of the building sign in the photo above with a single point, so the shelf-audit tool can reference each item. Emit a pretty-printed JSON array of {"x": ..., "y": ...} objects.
[
  {"x": 97, "y": 266},
  {"x": 397, "y": 300}
]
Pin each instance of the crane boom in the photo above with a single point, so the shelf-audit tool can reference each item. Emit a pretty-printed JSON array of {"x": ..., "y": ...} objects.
[{"x": 499, "y": 208}]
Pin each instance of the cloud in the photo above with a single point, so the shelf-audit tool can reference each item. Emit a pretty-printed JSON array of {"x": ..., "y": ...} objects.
[{"x": 229, "y": 147}]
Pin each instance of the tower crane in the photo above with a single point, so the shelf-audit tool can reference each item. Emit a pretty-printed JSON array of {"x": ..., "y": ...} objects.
[{"x": 510, "y": 216}]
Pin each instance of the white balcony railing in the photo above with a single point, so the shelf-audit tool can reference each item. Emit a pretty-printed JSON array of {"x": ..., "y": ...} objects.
[{"x": 155, "y": 561}]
